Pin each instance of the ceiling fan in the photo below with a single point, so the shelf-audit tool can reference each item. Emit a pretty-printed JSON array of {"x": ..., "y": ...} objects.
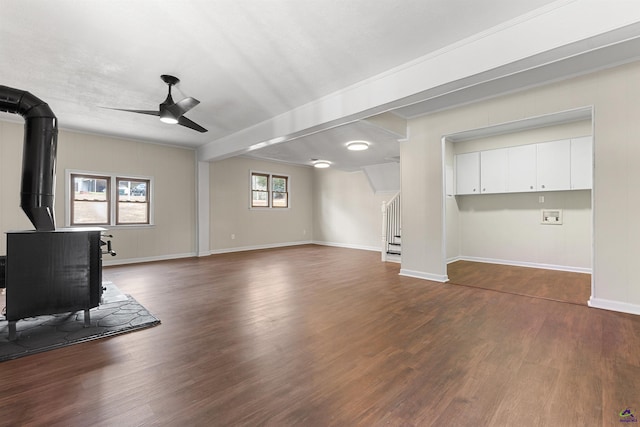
[{"x": 170, "y": 111}]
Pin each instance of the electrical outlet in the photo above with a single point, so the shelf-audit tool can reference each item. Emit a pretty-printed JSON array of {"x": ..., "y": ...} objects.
[
  {"x": 540, "y": 199},
  {"x": 233, "y": 236}
]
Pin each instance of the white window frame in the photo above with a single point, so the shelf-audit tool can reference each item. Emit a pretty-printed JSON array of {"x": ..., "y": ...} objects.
[
  {"x": 113, "y": 197},
  {"x": 270, "y": 191}
]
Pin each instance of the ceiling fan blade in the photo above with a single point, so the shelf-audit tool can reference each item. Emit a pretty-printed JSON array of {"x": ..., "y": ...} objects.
[
  {"x": 181, "y": 107},
  {"x": 191, "y": 125},
  {"x": 149, "y": 112}
]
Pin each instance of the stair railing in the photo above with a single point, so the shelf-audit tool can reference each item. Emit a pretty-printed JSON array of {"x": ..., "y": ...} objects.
[{"x": 391, "y": 224}]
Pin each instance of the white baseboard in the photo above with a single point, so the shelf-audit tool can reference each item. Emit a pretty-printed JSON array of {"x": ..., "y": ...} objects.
[
  {"x": 115, "y": 261},
  {"x": 348, "y": 246},
  {"x": 605, "y": 304},
  {"x": 426, "y": 276},
  {"x": 258, "y": 247},
  {"x": 521, "y": 264}
]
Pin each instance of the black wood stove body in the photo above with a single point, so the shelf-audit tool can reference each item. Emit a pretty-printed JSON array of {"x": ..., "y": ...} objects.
[{"x": 49, "y": 272}]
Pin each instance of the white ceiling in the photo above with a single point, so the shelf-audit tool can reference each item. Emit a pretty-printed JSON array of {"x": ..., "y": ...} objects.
[{"x": 250, "y": 62}]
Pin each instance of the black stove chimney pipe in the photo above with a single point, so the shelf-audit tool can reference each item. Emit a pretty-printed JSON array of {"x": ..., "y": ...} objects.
[{"x": 39, "y": 155}]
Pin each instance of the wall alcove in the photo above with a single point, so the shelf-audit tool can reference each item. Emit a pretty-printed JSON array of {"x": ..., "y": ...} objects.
[{"x": 504, "y": 227}]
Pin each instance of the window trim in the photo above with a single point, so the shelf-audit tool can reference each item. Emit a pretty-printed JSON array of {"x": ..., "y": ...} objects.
[
  {"x": 270, "y": 191},
  {"x": 113, "y": 197}
]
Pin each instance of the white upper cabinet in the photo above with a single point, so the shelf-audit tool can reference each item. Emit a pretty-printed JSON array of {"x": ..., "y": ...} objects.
[
  {"x": 522, "y": 169},
  {"x": 468, "y": 173},
  {"x": 493, "y": 171},
  {"x": 581, "y": 163},
  {"x": 561, "y": 165},
  {"x": 554, "y": 165}
]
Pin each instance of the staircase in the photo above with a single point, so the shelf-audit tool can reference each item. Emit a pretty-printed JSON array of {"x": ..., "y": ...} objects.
[
  {"x": 391, "y": 230},
  {"x": 394, "y": 247}
]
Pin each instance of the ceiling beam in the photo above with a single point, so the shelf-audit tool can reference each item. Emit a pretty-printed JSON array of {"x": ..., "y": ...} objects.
[{"x": 566, "y": 28}]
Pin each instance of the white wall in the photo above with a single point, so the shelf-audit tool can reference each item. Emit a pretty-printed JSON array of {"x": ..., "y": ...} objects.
[
  {"x": 173, "y": 170},
  {"x": 613, "y": 94},
  {"x": 230, "y": 212},
  {"x": 346, "y": 210}
]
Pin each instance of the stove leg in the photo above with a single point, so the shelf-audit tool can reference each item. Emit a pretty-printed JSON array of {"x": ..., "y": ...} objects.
[
  {"x": 87, "y": 318},
  {"x": 12, "y": 330}
]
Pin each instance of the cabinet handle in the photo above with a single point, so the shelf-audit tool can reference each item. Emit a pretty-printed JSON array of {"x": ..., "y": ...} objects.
[
  {"x": 531, "y": 187},
  {"x": 543, "y": 186},
  {"x": 474, "y": 190},
  {"x": 484, "y": 189}
]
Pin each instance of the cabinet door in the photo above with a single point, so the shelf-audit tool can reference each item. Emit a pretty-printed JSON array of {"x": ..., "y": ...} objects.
[
  {"x": 581, "y": 163},
  {"x": 521, "y": 175},
  {"x": 468, "y": 173},
  {"x": 493, "y": 171},
  {"x": 554, "y": 165}
]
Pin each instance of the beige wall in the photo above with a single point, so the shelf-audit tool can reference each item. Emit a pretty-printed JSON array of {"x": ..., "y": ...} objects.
[
  {"x": 173, "y": 171},
  {"x": 11, "y": 216},
  {"x": 346, "y": 210},
  {"x": 506, "y": 227},
  {"x": 255, "y": 228},
  {"x": 613, "y": 94},
  {"x": 530, "y": 136}
]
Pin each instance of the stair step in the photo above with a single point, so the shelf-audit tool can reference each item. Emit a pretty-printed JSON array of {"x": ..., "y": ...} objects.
[
  {"x": 395, "y": 244},
  {"x": 393, "y": 252}
]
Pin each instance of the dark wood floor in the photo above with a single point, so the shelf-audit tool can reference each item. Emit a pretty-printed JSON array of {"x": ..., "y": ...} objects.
[
  {"x": 562, "y": 286},
  {"x": 321, "y": 336}
]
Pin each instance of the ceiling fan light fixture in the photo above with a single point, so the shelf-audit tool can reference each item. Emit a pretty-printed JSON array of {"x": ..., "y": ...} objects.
[
  {"x": 167, "y": 117},
  {"x": 357, "y": 145},
  {"x": 321, "y": 164}
]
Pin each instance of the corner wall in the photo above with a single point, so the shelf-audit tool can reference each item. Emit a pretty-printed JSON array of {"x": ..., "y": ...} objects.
[
  {"x": 347, "y": 211},
  {"x": 230, "y": 212}
]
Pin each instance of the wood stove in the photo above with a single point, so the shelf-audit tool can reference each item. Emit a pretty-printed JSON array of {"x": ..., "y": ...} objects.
[{"x": 49, "y": 272}]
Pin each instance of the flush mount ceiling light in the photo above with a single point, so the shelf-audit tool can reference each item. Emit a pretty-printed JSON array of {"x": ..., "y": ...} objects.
[
  {"x": 357, "y": 145},
  {"x": 321, "y": 164}
]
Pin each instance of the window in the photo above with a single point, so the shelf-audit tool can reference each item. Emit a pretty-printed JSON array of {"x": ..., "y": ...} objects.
[
  {"x": 133, "y": 202},
  {"x": 269, "y": 191},
  {"x": 259, "y": 190},
  {"x": 90, "y": 199},
  {"x": 279, "y": 193}
]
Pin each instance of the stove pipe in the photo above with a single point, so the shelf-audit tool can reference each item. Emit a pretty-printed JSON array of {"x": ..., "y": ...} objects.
[{"x": 39, "y": 155}]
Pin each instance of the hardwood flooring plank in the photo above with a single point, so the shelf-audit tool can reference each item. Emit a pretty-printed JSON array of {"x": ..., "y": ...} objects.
[
  {"x": 555, "y": 285},
  {"x": 321, "y": 336}
]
